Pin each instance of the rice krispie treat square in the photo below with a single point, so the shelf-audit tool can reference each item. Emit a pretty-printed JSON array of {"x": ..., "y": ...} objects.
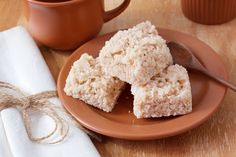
[
  {"x": 135, "y": 55},
  {"x": 87, "y": 81},
  {"x": 168, "y": 93}
]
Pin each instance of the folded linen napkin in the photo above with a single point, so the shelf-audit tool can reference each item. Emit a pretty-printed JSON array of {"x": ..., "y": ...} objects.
[{"x": 22, "y": 65}]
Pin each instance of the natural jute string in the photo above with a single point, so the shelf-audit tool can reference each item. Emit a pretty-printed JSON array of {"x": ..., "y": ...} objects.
[{"x": 11, "y": 96}]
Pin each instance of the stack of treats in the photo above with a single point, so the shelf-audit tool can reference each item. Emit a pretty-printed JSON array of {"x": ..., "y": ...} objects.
[{"x": 140, "y": 57}]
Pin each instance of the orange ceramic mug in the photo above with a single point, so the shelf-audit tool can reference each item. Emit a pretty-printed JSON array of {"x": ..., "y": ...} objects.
[{"x": 66, "y": 24}]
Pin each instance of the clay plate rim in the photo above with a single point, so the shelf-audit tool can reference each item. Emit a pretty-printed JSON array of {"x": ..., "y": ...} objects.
[{"x": 97, "y": 123}]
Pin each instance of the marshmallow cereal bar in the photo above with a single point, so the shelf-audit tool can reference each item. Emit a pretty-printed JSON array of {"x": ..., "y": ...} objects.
[
  {"x": 135, "y": 55},
  {"x": 166, "y": 94},
  {"x": 86, "y": 81}
]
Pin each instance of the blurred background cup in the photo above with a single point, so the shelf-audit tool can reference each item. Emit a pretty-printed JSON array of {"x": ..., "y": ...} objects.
[
  {"x": 66, "y": 24},
  {"x": 209, "y": 12}
]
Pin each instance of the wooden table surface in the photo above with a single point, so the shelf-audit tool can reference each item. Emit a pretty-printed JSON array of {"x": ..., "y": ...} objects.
[{"x": 217, "y": 136}]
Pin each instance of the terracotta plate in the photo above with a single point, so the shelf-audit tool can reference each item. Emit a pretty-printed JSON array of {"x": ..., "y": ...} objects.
[{"x": 121, "y": 123}]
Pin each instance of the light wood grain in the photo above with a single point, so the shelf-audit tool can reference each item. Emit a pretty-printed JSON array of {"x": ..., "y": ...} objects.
[{"x": 216, "y": 137}]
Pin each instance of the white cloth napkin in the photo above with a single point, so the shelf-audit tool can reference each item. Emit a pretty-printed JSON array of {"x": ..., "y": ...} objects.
[{"x": 22, "y": 64}]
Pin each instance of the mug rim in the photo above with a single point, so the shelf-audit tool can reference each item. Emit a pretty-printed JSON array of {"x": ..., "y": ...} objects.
[{"x": 54, "y": 3}]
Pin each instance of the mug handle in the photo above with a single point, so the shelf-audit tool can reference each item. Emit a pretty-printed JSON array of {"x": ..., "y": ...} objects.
[{"x": 108, "y": 15}]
